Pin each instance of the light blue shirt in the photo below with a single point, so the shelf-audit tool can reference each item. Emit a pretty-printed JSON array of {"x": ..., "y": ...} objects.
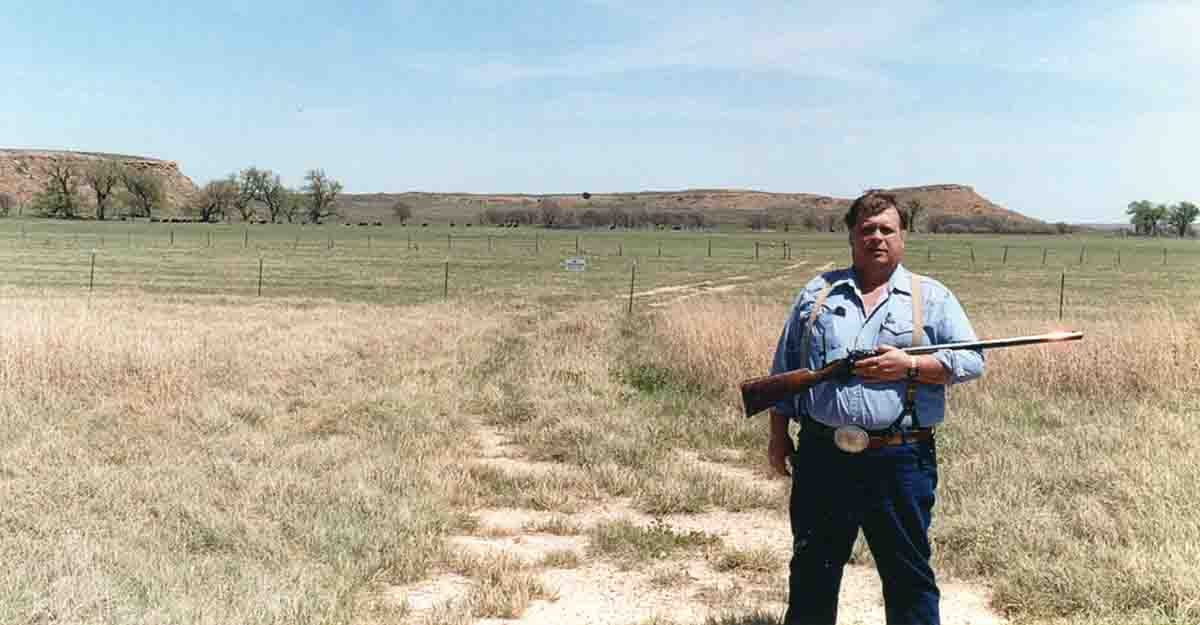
[{"x": 842, "y": 325}]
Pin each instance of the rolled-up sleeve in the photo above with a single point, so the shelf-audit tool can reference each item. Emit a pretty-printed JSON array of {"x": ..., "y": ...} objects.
[{"x": 954, "y": 327}]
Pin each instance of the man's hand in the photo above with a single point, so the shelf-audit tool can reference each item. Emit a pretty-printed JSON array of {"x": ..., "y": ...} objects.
[
  {"x": 890, "y": 364},
  {"x": 778, "y": 451}
]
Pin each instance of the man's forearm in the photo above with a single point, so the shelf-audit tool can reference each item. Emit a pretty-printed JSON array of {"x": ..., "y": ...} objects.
[{"x": 931, "y": 371}]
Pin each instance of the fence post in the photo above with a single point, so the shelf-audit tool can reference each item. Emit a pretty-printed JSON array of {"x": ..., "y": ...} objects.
[
  {"x": 756, "y": 250},
  {"x": 446, "y": 282},
  {"x": 1082, "y": 250},
  {"x": 710, "y": 247},
  {"x": 246, "y": 238},
  {"x": 929, "y": 254},
  {"x": 448, "y": 242},
  {"x": 1062, "y": 289},
  {"x": 172, "y": 238},
  {"x": 577, "y": 244},
  {"x": 620, "y": 250},
  {"x": 210, "y": 239},
  {"x": 632, "y": 277},
  {"x": 1005, "y": 261},
  {"x": 537, "y": 243},
  {"x": 1164, "y": 256},
  {"x": 491, "y": 248},
  {"x": 1043, "y": 257},
  {"x": 260, "y": 272},
  {"x": 368, "y": 241},
  {"x": 92, "y": 275}
]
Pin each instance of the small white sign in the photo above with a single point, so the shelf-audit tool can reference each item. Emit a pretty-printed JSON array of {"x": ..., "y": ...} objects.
[{"x": 577, "y": 263}]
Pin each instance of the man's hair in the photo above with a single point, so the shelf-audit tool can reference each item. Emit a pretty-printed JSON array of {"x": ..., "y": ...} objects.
[{"x": 873, "y": 202}]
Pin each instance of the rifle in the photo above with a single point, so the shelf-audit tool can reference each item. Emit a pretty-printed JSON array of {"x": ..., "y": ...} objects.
[{"x": 758, "y": 394}]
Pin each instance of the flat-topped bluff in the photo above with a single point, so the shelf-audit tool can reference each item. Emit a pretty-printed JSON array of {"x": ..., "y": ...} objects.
[
  {"x": 22, "y": 172},
  {"x": 720, "y": 205}
]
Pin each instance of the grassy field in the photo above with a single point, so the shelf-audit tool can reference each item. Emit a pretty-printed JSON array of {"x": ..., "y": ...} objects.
[{"x": 179, "y": 449}]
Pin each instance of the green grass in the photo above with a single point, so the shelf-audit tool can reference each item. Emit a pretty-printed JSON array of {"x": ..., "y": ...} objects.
[
  {"x": 408, "y": 265},
  {"x": 631, "y": 544}
]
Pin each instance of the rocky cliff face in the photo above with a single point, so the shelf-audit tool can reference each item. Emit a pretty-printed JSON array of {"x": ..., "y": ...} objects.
[{"x": 22, "y": 173}]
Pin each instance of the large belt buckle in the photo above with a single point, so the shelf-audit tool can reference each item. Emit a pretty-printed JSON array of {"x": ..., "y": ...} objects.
[{"x": 851, "y": 439}]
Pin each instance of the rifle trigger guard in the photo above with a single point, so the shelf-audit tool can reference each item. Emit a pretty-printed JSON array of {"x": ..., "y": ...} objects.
[{"x": 851, "y": 439}]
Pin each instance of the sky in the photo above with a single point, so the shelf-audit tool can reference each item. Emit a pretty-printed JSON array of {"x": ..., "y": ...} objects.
[{"x": 1061, "y": 111}]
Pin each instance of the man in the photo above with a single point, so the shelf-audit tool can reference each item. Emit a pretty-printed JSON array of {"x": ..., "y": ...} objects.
[{"x": 887, "y": 488}]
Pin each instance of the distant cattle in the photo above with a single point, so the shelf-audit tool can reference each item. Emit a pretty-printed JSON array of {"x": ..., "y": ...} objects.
[{"x": 377, "y": 223}]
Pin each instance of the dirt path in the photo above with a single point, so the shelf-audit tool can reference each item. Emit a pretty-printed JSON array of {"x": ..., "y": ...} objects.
[
  {"x": 679, "y": 590},
  {"x": 671, "y": 294}
]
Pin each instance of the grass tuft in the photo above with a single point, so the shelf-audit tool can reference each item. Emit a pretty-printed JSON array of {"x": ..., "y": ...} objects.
[{"x": 630, "y": 544}]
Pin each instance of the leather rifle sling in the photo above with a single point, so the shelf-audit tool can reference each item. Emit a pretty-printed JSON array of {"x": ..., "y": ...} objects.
[
  {"x": 807, "y": 330},
  {"x": 918, "y": 337}
]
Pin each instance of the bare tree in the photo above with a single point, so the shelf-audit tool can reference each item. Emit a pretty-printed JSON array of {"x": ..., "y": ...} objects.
[
  {"x": 760, "y": 221},
  {"x": 264, "y": 186},
  {"x": 550, "y": 211},
  {"x": 145, "y": 190},
  {"x": 403, "y": 211},
  {"x": 60, "y": 197},
  {"x": 786, "y": 216},
  {"x": 216, "y": 199},
  {"x": 320, "y": 192},
  {"x": 915, "y": 209},
  {"x": 103, "y": 176},
  {"x": 243, "y": 201}
]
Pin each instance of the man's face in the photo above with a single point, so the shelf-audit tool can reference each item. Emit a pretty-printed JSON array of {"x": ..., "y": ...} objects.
[{"x": 877, "y": 242}]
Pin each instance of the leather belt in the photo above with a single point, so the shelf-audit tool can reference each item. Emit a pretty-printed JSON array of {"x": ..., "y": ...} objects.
[{"x": 875, "y": 440}]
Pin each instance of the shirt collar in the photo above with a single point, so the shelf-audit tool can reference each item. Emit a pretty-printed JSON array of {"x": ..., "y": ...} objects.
[{"x": 900, "y": 281}]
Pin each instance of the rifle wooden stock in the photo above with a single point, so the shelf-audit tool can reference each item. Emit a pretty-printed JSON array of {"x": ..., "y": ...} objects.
[{"x": 758, "y": 394}]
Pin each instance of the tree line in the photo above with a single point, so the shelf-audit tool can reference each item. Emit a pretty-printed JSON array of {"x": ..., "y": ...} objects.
[
  {"x": 103, "y": 187},
  {"x": 111, "y": 184},
  {"x": 1152, "y": 219},
  {"x": 254, "y": 194},
  {"x": 550, "y": 213}
]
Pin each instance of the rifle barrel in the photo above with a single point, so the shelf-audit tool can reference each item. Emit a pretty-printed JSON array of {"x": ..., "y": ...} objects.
[{"x": 1052, "y": 337}]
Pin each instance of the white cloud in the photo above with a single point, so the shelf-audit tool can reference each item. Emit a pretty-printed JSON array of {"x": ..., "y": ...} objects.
[{"x": 813, "y": 41}]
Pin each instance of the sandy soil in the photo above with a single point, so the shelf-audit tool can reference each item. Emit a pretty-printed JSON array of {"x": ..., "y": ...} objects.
[{"x": 598, "y": 592}]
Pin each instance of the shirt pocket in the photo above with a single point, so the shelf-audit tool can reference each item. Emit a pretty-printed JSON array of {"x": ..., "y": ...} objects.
[
  {"x": 896, "y": 331},
  {"x": 825, "y": 343}
]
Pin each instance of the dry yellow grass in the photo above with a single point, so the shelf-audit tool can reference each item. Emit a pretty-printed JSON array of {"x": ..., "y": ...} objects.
[
  {"x": 217, "y": 460},
  {"x": 212, "y": 461}
]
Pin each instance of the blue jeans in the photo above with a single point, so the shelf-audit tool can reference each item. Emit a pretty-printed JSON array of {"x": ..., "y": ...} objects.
[{"x": 889, "y": 493}]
